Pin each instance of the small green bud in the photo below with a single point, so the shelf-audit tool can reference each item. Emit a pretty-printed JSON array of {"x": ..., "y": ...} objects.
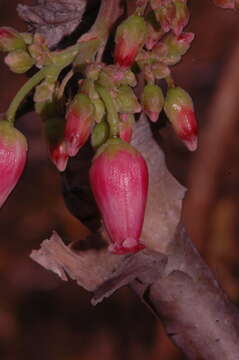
[
  {"x": 152, "y": 101},
  {"x": 99, "y": 110},
  {"x": 28, "y": 38},
  {"x": 160, "y": 70},
  {"x": 10, "y": 39},
  {"x": 19, "y": 61},
  {"x": 127, "y": 101},
  {"x": 100, "y": 134}
]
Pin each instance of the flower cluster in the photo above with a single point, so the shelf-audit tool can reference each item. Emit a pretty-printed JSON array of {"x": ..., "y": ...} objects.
[{"x": 103, "y": 107}]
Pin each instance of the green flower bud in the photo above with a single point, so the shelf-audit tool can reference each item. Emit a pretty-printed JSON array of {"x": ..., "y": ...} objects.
[
  {"x": 10, "y": 39},
  {"x": 160, "y": 70},
  {"x": 152, "y": 101},
  {"x": 99, "y": 110},
  {"x": 127, "y": 101},
  {"x": 19, "y": 61},
  {"x": 129, "y": 39},
  {"x": 100, "y": 134}
]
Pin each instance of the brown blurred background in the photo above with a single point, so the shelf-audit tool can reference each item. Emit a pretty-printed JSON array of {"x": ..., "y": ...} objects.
[{"x": 42, "y": 317}]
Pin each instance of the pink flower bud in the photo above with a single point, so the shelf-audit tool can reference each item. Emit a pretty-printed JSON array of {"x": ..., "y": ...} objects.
[
  {"x": 10, "y": 39},
  {"x": 59, "y": 155},
  {"x": 130, "y": 37},
  {"x": 54, "y": 131},
  {"x": 126, "y": 125},
  {"x": 152, "y": 101},
  {"x": 180, "y": 112},
  {"x": 13, "y": 151},
  {"x": 119, "y": 180},
  {"x": 79, "y": 121}
]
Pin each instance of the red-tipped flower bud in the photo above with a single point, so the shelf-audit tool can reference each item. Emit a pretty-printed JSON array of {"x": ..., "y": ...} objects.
[
  {"x": 180, "y": 112},
  {"x": 54, "y": 131},
  {"x": 119, "y": 180},
  {"x": 126, "y": 125},
  {"x": 19, "y": 61},
  {"x": 152, "y": 101},
  {"x": 59, "y": 155},
  {"x": 13, "y": 151},
  {"x": 172, "y": 48},
  {"x": 79, "y": 121},
  {"x": 130, "y": 37},
  {"x": 10, "y": 39}
]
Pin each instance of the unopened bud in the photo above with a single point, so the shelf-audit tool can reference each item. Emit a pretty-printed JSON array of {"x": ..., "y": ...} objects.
[
  {"x": 119, "y": 181},
  {"x": 13, "y": 152},
  {"x": 181, "y": 16},
  {"x": 126, "y": 125},
  {"x": 79, "y": 122},
  {"x": 19, "y": 61},
  {"x": 152, "y": 101},
  {"x": 27, "y": 37},
  {"x": 127, "y": 101},
  {"x": 57, "y": 147},
  {"x": 130, "y": 37},
  {"x": 180, "y": 112},
  {"x": 172, "y": 48},
  {"x": 10, "y": 39},
  {"x": 100, "y": 134},
  {"x": 160, "y": 70},
  {"x": 154, "y": 35},
  {"x": 165, "y": 12},
  {"x": 40, "y": 51},
  {"x": 99, "y": 112}
]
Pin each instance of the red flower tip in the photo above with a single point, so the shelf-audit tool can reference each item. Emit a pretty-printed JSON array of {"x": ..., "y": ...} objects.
[
  {"x": 59, "y": 155},
  {"x": 130, "y": 37},
  {"x": 180, "y": 112},
  {"x": 10, "y": 39},
  {"x": 79, "y": 121}
]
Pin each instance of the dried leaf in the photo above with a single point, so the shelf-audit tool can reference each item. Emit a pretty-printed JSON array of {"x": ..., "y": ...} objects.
[{"x": 53, "y": 19}]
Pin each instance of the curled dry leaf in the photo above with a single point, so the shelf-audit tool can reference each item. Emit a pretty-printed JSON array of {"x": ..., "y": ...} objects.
[{"x": 53, "y": 19}]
